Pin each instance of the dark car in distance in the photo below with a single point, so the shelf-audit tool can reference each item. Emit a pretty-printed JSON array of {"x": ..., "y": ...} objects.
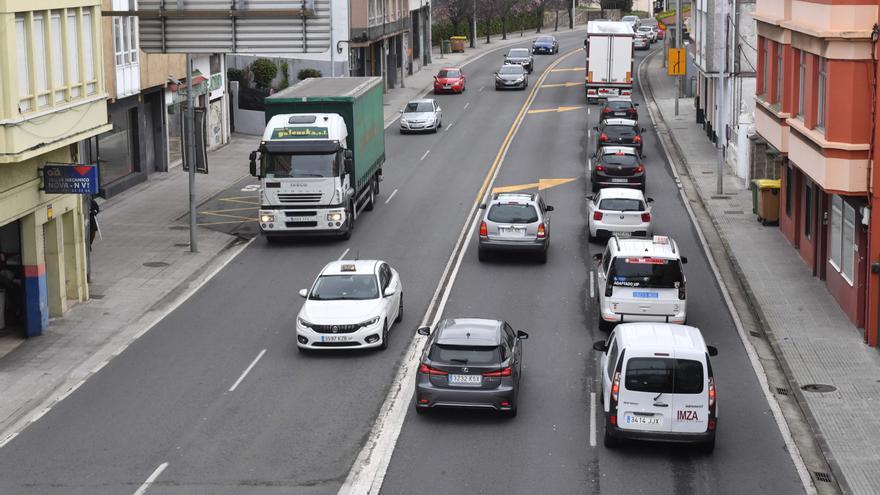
[
  {"x": 520, "y": 56},
  {"x": 511, "y": 76},
  {"x": 617, "y": 166},
  {"x": 619, "y": 132},
  {"x": 620, "y": 107},
  {"x": 546, "y": 45},
  {"x": 470, "y": 363}
]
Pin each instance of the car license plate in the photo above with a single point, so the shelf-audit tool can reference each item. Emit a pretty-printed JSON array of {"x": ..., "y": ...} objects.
[
  {"x": 301, "y": 219},
  {"x": 642, "y": 420},
  {"x": 620, "y": 181},
  {"x": 646, "y": 295},
  {"x": 619, "y": 113},
  {"x": 447, "y": 86},
  {"x": 335, "y": 338},
  {"x": 623, "y": 235},
  {"x": 512, "y": 231},
  {"x": 469, "y": 380}
]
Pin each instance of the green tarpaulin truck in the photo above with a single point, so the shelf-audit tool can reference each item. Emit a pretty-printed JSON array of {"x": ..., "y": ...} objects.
[{"x": 320, "y": 159}]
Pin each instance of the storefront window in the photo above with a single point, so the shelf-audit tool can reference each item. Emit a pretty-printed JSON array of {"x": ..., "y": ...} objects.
[
  {"x": 842, "y": 237},
  {"x": 117, "y": 150},
  {"x": 175, "y": 150}
]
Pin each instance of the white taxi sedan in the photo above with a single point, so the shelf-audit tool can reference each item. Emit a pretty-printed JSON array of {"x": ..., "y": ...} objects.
[
  {"x": 619, "y": 211},
  {"x": 352, "y": 305}
]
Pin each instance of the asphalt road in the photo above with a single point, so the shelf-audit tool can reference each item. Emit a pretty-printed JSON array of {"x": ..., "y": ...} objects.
[{"x": 296, "y": 422}]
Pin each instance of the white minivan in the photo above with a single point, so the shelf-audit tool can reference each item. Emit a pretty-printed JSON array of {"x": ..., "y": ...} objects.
[{"x": 657, "y": 384}]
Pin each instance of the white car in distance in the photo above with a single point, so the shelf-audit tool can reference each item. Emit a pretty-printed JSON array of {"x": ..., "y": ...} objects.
[
  {"x": 619, "y": 211},
  {"x": 351, "y": 305}
]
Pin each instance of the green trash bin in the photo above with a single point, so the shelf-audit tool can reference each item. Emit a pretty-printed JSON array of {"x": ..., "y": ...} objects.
[
  {"x": 445, "y": 46},
  {"x": 754, "y": 188}
]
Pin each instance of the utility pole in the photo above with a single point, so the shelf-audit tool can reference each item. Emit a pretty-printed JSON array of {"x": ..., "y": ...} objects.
[
  {"x": 722, "y": 108},
  {"x": 332, "y": 45},
  {"x": 191, "y": 152},
  {"x": 571, "y": 17},
  {"x": 677, "y": 45},
  {"x": 474, "y": 25}
]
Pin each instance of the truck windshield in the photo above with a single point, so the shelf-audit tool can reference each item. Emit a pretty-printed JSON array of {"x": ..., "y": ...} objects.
[{"x": 286, "y": 165}]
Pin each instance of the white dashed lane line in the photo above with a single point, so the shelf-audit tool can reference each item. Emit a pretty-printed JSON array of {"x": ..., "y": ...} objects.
[
  {"x": 146, "y": 485},
  {"x": 389, "y": 197},
  {"x": 246, "y": 371},
  {"x": 425, "y": 155}
]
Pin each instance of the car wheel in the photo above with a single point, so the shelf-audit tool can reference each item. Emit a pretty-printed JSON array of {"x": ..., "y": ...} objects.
[
  {"x": 594, "y": 187},
  {"x": 590, "y": 236},
  {"x": 606, "y": 326},
  {"x": 371, "y": 202},
  {"x": 609, "y": 440},
  {"x": 542, "y": 256},
  {"x": 384, "y": 336},
  {"x": 302, "y": 350},
  {"x": 707, "y": 447},
  {"x": 271, "y": 239},
  {"x": 400, "y": 309},
  {"x": 511, "y": 413},
  {"x": 421, "y": 410},
  {"x": 497, "y": 87},
  {"x": 482, "y": 254}
]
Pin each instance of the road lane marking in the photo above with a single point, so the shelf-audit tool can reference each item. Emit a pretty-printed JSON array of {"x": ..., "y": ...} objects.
[
  {"x": 589, "y": 110},
  {"x": 562, "y": 85},
  {"x": 482, "y": 88},
  {"x": 570, "y": 69},
  {"x": 143, "y": 488},
  {"x": 248, "y": 370},
  {"x": 449, "y": 125},
  {"x": 541, "y": 185},
  {"x": 589, "y": 164},
  {"x": 592, "y": 285},
  {"x": 589, "y": 132},
  {"x": 389, "y": 197},
  {"x": 349, "y": 249},
  {"x": 467, "y": 105},
  {"x": 425, "y": 155},
  {"x": 592, "y": 419},
  {"x": 368, "y": 471},
  {"x": 556, "y": 110}
]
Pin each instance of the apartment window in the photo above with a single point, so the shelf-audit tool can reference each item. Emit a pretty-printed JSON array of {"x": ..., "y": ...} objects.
[
  {"x": 820, "y": 107},
  {"x": 88, "y": 54},
  {"x": 808, "y": 209},
  {"x": 779, "y": 73},
  {"x": 73, "y": 55},
  {"x": 21, "y": 56},
  {"x": 843, "y": 237},
  {"x": 56, "y": 32},
  {"x": 764, "y": 77},
  {"x": 802, "y": 77},
  {"x": 125, "y": 34},
  {"x": 789, "y": 190},
  {"x": 41, "y": 74}
]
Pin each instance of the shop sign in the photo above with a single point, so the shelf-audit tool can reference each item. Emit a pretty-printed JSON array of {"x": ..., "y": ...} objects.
[{"x": 70, "y": 179}]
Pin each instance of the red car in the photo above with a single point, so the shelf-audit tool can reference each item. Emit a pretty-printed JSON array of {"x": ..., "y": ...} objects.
[
  {"x": 449, "y": 80},
  {"x": 661, "y": 34}
]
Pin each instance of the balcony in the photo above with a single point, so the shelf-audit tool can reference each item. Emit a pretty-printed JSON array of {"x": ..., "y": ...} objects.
[
  {"x": 837, "y": 167},
  {"x": 772, "y": 11},
  {"x": 771, "y": 125}
]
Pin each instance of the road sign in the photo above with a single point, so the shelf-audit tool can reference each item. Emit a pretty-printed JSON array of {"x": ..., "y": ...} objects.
[
  {"x": 676, "y": 62},
  {"x": 201, "y": 153},
  {"x": 70, "y": 179}
]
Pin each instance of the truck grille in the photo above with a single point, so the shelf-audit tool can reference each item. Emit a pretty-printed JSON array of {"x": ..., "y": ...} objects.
[
  {"x": 300, "y": 224},
  {"x": 299, "y": 213},
  {"x": 299, "y": 197},
  {"x": 339, "y": 328}
]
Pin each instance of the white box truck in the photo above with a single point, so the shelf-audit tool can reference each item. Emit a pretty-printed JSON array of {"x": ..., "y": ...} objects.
[{"x": 609, "y": 47}]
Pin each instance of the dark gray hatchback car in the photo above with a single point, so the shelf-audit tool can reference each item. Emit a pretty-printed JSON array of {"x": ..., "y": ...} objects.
[{"x": 470, "y": 363}]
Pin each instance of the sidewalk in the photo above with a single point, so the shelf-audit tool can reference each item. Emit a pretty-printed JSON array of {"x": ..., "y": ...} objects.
[
  {"x": 811, "y": 337},
  {"x": 142, "y": 268}
]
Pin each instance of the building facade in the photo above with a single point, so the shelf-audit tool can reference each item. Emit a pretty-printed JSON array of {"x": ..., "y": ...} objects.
[
  {"x": 815, "y": 85},
  {"x": 52, "y": 96},
  {"x": 380, "y": 39}
]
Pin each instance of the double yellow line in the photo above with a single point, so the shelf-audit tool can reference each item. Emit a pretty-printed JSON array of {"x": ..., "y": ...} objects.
[{"x": 499, "y": 157}]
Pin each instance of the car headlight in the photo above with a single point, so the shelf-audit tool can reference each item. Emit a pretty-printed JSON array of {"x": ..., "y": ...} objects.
[
  {"x": 334, "y": 217},
  {"x": 371, "y": 321},
  {"x": 521, "y": 79},
  {"x": 303, "y": 322},
  {"x": 267, "y": 218},
  {"x": 403, "y": 120}
]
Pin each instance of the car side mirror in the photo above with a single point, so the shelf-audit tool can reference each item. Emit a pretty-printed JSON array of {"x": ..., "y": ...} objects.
[
  {"x": 597, "y": 257},
  {"x": 304, "y": 293},
  {"x": 424, "y": 331},
  {"x": 401, "y": 111},
  {"x": 600, "y": 346},
  {"x": 348, "y": 161},
  {"x": 253, "y": 165},
  {"x": 684, "y": 260},
  {"x": 439, "y": 109},
  {"x": 389, "y": 291},
  {"x": 635, "y": 104},
  {"x": 483, "y": 206},
  {"x": 713, "y": 351},
  {"x": 650, "y": 200},
  {"x": 496, "y": 73},
  {"x": 549, "y": 208},
  {"x": 521, "y": 335}
]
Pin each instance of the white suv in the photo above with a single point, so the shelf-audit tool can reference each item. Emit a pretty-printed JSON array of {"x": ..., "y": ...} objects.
[
  {"x": 352, "y": 304},
  {"x": 641, "y": 280},
  {"x": 657, "y": 384}
]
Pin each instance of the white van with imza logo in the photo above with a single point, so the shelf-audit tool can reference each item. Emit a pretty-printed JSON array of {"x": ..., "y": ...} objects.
[
  {"x": 657, "y": 384},
  {"x": 640, "y": 280}
]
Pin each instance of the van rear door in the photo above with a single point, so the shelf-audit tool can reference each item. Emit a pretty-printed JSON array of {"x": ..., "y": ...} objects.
[
  {"x": 646, "y": 400},
  {"x": 690, "y": 405},
  {"x": 646, "y": 286},
  {"x": 621, "y": 60},
  {"x": 599, "y": 58}
]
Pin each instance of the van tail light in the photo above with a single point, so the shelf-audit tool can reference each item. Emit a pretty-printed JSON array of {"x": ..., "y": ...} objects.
[
  {"x": 603, "y": 137},
  {"x": 711, "y": 391},
  {"x": 646, "y": 217},
  {"x": 502, "y": 372},
  {"x": 637, "y": 139},
  {"x": 427, "y": 370},
  {"x": 682, "y": 293},
  {"x": 615, "y": 389},
  {"x": 597, "y": 215},
  {"x": 640, "y": 168},
  {"x": 484, "y": 231},
  {"x": 600, "y": 168},
  {"x": 542, "y": 231}
]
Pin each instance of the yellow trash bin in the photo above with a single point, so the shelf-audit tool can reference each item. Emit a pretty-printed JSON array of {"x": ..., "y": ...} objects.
[
  {"x": 458, "y": 43},
  {"x": 768, "y": 200}
]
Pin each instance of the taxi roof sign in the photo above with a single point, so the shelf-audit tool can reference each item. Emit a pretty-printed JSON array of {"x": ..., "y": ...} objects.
[
  {"x": 348, "y": 267},
  {"x": 661, "y": 239}
]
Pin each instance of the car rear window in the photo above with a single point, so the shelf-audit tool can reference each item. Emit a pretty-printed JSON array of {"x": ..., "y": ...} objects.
[
  {"x": 664, "y": 375},
  {"x": 619, "y": 131},
  {"x": 621, "y": 204},
  {"x": 519, "y": 52},
  {"x": 620, "y": 159},
  {"x": 512, "y": 213},
  {"x": 459, "y": 354},
  {"x": 448, "y": 73},
  {"x": 619, "y": 105},
  {"x": 645, "y": 272}
]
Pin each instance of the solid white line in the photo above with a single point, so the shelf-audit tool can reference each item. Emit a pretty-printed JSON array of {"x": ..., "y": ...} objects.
[
  {"x": 589, "y": 164},
  {"x": 793, "y": 450},
  {"x": 592, "y": 419},
  {"x": 348, "y": 249},
  {"x": 248, "y": 370},
  {"x": 588, "y": 110},
  {"x": 143, "y": 488},
  {"x": 467, "y": 105},
  {"x": 425, "y": 155},
  {"x": 589, "y": 132},
  {"x": 389, "y": 197},
  {"x": 592, "y": 285}
]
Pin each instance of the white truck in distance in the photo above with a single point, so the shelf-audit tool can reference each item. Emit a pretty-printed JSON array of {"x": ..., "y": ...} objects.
[{"x": 609, "y": 47}]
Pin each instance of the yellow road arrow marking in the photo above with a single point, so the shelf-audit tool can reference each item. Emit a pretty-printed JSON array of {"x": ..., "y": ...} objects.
[
  {"x": 563, "y": 85},
  {"x": 572, "y": 69},
  {"x": 557, "y": 110},
  {"x": 540, "y": 185}
]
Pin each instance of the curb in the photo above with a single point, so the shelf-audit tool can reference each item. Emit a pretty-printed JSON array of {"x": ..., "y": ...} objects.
[{"x": 742, "y": 286}]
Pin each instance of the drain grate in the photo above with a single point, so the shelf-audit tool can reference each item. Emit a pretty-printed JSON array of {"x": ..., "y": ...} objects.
[
  {"x": 754, "y": 333},
  {"x": 781, "y": 391},
  {"x": 818, "y": 388},
  {"x": 707, "y": 172},
  {"x": 155, "y": 264},
  {"x": 820, "y": 476},
  {"x": 96, "y": 296},
  {"x": 721, "y": 196},
  {"x": 181, "y": 244},
  {"x": 178, "y": 227},
  {"x": 733, "y": 212}
]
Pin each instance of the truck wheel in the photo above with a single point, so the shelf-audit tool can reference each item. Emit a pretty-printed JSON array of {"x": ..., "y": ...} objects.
[
  {"x": 605, "y": 326},
  {"x": 371, "y": 202},
  {"x": 608, "y": 440},
  {"x": 352, "y": 216}
]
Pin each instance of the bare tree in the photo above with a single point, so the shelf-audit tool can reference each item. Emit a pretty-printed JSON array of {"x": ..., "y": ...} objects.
[
  {"x": 506, "y": 8},
  {"x": 487, "y": 11},
  {"x": 457, "y": 11}
]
